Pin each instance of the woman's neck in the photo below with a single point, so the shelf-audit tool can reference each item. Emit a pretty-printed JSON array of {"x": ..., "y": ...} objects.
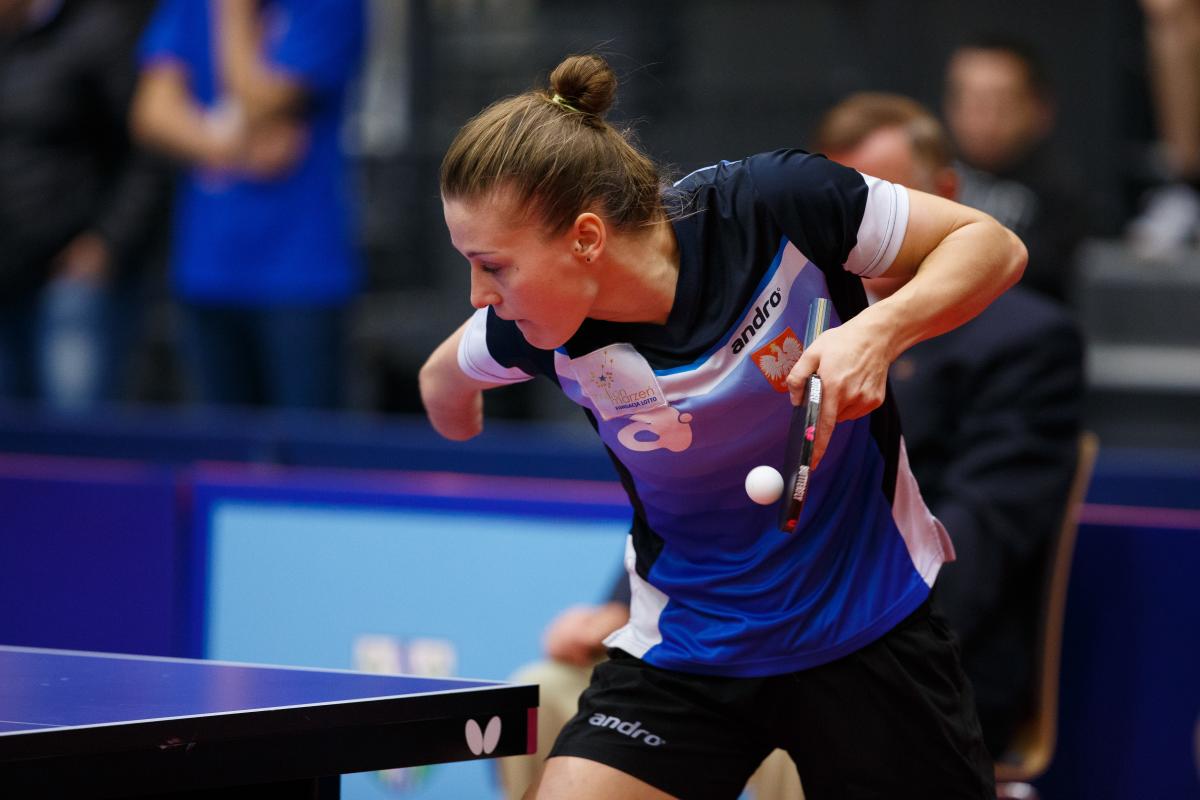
[{"x": 639, "y": 273}]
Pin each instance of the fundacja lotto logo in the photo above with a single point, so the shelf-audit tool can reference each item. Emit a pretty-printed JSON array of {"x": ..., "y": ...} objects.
[{"x": 603, "y": 379}]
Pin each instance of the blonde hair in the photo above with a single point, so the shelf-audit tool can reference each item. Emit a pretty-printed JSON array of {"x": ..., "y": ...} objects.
[
  {"x": 554, "y": 149},
  {"x": 850, "y": 122}
]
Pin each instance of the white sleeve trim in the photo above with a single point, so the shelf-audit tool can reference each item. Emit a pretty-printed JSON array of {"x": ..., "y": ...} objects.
[
  {"x": 476, "y": 361},
  {"x": 881, "y": 231}
]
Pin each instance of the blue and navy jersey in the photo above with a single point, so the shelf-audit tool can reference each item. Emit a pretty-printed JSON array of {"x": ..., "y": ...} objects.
[{"x": 687, "y": 408}]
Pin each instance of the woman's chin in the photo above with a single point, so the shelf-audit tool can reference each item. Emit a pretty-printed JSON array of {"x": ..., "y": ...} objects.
[
  {"x": 534, "y": 335},
  {"x": 539, "y": 337}
]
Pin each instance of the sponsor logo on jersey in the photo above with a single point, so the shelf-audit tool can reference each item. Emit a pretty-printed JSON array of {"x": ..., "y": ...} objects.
[
  {"x": 661, "y": 428},
  {"x": 618, "y": 381},
  {"x": 633, "y": 730},
  {"x": 602, "y": 374},
  {"x": 776, "y": 358},
  {"x": 624, "y": 401},
  {"x": 762, "y": 313}
]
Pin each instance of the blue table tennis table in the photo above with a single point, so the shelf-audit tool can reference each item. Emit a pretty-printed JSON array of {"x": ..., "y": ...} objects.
[{"x": 106, "y": 725}]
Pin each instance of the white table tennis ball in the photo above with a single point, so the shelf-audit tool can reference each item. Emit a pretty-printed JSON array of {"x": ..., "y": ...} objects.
[{"x": 764, "y": 485}]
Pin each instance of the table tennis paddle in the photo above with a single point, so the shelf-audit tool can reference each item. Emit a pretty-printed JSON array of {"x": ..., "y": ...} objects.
[{"x": 798, "y": 457}]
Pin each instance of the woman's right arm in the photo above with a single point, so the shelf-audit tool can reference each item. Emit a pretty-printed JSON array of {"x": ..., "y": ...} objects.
[{"x": 453, "y": 400}]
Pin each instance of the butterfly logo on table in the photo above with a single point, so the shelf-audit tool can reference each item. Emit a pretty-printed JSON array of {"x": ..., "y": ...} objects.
[
  {"x": 776, "y": 358},
  {"x": 482, "y": 741}
]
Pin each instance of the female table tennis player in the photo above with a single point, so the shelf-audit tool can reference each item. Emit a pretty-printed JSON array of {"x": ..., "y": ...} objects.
[{"x": 664, "y": 311}]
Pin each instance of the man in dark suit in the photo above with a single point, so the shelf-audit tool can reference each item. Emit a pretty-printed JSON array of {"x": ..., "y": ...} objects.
[{"x": 991, "y": 417}]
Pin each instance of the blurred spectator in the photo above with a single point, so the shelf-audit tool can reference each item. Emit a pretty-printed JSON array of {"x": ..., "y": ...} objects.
[
  {"x": 1000, "y": 113},
  {"x": 1171, "y": 218},
  {"x": 78, "y": 202},
  {"x": 250, "y": 97},
  {"x": 991, "y": 414}
]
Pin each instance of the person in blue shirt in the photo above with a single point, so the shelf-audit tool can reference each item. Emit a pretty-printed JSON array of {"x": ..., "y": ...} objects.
[
  {"x": 250, "y": 97},
  {"x": 654, "y": 308}
]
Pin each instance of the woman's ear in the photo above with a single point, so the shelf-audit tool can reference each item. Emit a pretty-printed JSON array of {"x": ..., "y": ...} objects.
[{"x": 590, "y": 235}]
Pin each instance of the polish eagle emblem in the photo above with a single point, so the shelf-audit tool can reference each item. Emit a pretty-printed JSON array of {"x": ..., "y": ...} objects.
[{"x": 776, "y": 358}]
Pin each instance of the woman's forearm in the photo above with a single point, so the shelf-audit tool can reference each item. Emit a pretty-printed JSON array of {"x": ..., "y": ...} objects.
[
  {"x": 969, "y": 269},
  {"x": 453, "y": 401}
]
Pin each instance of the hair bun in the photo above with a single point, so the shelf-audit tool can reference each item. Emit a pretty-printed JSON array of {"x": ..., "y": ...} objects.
[{"x": 587, "y": 83}]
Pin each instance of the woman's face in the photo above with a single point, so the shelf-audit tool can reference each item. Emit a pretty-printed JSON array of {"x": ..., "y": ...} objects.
[{"x": 541, "y": 282}]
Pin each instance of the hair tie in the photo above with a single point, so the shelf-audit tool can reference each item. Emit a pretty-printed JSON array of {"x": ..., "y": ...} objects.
[{"x": 558, "y": 99}]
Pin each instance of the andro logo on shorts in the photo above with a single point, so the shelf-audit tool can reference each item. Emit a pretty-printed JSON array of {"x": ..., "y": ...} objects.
[{"x": 633, "y": 730}]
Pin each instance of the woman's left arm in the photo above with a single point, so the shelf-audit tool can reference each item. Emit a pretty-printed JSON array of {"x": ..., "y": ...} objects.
[{"x": 955, "y": 261}]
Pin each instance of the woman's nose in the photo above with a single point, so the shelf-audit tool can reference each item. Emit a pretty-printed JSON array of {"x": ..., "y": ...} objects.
[{"x": 483, "y": 295}]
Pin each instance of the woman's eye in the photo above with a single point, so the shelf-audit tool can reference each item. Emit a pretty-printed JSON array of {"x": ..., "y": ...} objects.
[{"x": 490, "y": 269}]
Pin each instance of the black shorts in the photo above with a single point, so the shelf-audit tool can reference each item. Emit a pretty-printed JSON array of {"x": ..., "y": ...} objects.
[{"x": 894, "y": 719}]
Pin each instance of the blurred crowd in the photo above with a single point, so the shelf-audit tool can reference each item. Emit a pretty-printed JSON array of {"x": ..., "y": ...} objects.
[{"x": 182, "y": 211}]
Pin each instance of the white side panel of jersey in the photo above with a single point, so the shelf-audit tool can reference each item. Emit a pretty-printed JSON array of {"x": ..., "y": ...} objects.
[
  {"x": 882, "y": 229},
  {"x": 475, "y": 360},
  {"x": 928, "y": 544},
  {"x": 645, "y": 607}
]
